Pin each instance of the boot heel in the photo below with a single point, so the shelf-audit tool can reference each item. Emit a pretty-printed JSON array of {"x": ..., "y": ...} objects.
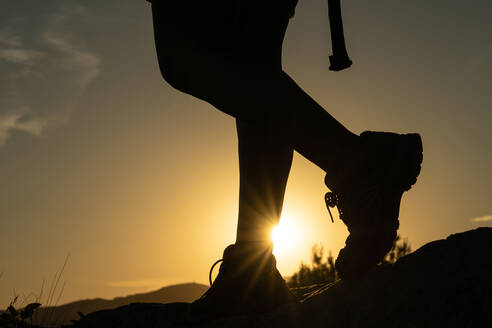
[{"x": 412, "y": 160}]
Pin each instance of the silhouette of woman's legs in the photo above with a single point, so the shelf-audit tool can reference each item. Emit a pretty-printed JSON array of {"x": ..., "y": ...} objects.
[
  {"x": 228, "y": 53},
  {"x": 241, "y": 75}
]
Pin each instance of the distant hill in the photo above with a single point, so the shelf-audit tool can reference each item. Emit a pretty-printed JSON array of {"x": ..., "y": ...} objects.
[{"x": 64, "y": 313}]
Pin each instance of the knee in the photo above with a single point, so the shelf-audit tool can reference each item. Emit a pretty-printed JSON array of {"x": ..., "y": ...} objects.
[
  {"x": 175, "y": 72},
  {"x": 191, "y": 73}
]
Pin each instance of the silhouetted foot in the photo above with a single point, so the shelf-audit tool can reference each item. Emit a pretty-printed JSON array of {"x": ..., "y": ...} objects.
[
  {"x": 248, "y": 282},
  {"x": 367, "y": 191}
]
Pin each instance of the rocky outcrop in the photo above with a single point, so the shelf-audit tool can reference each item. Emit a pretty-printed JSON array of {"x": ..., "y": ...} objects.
[{"x": 446, "y": 283}]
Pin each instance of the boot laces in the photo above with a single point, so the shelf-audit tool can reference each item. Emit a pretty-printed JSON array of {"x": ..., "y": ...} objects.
[
  {"x": 212, "y": 270},
  {"x": 332, "y": 200},
  {"x": 368, "y": 200}
]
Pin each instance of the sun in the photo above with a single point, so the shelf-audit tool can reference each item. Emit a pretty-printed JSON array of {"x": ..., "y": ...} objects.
[{"x": 285, "y": 235}]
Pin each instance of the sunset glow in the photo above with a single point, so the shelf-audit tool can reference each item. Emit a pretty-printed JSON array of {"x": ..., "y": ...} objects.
[
  {"x": 286, "y": 235},
  {"x": 140, "y": 183}
]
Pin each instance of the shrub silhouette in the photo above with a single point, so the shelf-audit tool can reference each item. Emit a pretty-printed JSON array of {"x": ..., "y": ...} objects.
[
  {"x": 400, "y": 248},
  {"x": 319, "y": 271},
  {"x": 15, "y": 318},
  {"x": 322, "y": 270}
]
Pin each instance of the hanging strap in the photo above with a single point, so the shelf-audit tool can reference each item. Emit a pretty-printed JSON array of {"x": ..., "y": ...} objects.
[{"x": 339, "y": 60}]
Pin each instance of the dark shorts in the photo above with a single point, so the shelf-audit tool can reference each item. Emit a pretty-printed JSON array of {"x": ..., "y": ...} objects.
[{"x": 251, "y": 29}]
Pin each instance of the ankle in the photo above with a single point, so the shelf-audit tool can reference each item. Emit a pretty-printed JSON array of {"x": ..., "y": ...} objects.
[
  {"x": 250, "y": 251},
  {"x": 261, "y": 246},
  {"x": 353, "y": 145},
  {"x": 343, "y": 158},
  {"x": 259, "y": 235}
]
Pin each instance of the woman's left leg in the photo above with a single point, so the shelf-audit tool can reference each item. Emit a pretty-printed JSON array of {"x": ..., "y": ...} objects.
[{"x": 265, "y": 159}]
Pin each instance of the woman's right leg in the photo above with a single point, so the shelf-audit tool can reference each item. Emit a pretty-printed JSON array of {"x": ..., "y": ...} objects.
[{"x": 304, "y": 124}]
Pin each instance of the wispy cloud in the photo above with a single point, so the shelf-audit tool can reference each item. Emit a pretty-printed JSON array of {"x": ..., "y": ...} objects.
[
  {"x": 45, "y": 71},
  {"x": 84, "y": 64},
  {"x": 19, "y": 56},
  {"x": 14, "y": 121},
  {"x": 486, "y": 218}
]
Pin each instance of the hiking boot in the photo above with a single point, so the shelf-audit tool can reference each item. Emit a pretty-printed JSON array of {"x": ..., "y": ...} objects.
[
  {"x": 367, "y": 191},
  {"x": 248, "y": 282}
]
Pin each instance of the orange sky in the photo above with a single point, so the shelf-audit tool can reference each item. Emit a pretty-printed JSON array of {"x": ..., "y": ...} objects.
[{"x": 101, "y": 159}]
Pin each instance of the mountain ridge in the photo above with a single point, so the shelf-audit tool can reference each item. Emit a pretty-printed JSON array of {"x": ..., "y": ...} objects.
[{"x": 63, "y": 314}]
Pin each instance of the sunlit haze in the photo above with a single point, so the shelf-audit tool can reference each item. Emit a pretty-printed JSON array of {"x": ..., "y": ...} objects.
[{"x": 287, "y": 235}]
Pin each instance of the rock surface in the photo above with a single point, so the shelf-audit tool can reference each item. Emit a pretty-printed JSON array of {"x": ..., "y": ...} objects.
[{"x": 446, "y": 283}]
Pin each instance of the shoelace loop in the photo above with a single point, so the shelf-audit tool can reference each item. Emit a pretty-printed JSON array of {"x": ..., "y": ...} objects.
[
  {"x": 212, "y": 269},
  {"x": 332, "y": 200}
]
